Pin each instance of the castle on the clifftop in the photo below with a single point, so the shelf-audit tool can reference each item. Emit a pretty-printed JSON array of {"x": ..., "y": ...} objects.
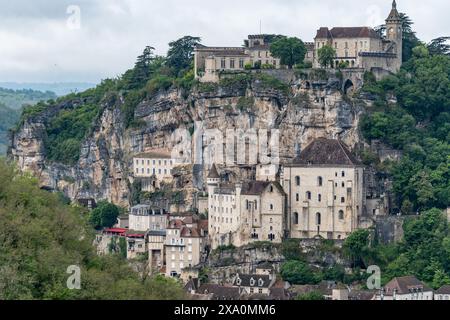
[{"x": 356, "y": 48}]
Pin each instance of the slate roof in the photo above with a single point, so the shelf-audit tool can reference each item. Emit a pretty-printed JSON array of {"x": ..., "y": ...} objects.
[
  {"x": 252, "y": 280},
  {"x": 394, "y": 15},
  {"x": 213, "y": 174},
  {"x": 346, "y": 32},
  {"x": 443, "y": 290},
  {"x": 279, "y": 294},
  {"x": 220, "y": 292},
  {"x": 324, "y": 151},
  {"x": 257, "y": 187},
  {"x": 405, "y": 285}
]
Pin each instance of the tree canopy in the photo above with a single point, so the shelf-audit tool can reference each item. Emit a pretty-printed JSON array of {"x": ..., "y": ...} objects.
[
  {"x": 40, "y": 237},
  {"x": 105, "y": 215},
  {"x": 326, "y": 56},
  {"x": 290, "y": 51},
  {"x": 181, "y": 53}
]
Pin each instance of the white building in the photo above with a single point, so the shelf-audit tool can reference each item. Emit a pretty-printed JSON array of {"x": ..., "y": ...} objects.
[
  {"x": 442, "y": 293},
  {"x": 145, "y": 218},
  {"x": 324, "y": 186},
  {"x": 406, "y": 288},
  {"x": 153, "y": 167}
]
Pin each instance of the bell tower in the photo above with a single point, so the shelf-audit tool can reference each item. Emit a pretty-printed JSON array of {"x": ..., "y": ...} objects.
[{"x": 394, "y": 32}]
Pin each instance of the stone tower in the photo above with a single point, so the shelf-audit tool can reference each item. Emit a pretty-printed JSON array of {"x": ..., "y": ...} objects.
[
  {"x": 394, "y": 33},
  {"x": 213, "y": 179}
]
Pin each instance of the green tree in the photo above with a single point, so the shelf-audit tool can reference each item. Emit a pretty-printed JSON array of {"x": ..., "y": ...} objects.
[
  {"x": 326, "y": 56},
  {"x": 356, "y": 246},
  {"x": 313, "y": 295},
  {"x": 181, "y": 53},
  {"x": 439, "y": 46},
  {"x": 41, "y": 236},
  {"x": 105, "y": 215},
  {"x": 290, "y": 51},
  {"x": 297, "y": 272}
]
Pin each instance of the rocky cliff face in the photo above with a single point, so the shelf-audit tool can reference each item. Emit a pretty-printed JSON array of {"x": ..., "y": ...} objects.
[{"x": 310, "y": 109}]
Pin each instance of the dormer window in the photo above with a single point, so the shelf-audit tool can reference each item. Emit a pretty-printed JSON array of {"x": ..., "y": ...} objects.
[
  {"x": 252, "y": 282},
  {"x": 260, "y": 282}
]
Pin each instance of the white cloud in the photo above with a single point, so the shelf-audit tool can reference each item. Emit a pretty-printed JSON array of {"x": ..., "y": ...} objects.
[{"x": 37, "y": 45}]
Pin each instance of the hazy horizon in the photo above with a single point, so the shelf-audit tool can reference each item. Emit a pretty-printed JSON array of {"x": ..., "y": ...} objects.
[{"x": 89, "y": 40}]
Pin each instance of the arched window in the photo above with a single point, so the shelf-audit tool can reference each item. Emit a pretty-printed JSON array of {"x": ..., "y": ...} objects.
[
  {"x": 318, "y": 218},
  {"x": 297, "y": 180},
  {"x": 320, "y": 181},
  {"x": 341, "y": 214},
  {"x": 319, "y": 198},
  {"x": 297, "y": 197},
  {"x": 295, "y": 218},
  {"x": 308, "y": 195}
]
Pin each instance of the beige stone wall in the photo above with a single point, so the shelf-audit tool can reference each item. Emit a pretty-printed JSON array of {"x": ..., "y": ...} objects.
[
  {"x": 338, "y": 201},
  {"x": 181, "y": 252}
]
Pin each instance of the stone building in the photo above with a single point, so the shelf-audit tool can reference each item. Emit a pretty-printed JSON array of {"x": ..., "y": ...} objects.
[
  {"x": 241, "y": 213},
  {"x": 145, "y": 217},
  {"x": 324, "y": 187},
  {"x": 209, "y": 62},
  {"x": 363, "y": 47},
  {"x": 184, "y": 246},
  {"x": 152, "y": 168}
]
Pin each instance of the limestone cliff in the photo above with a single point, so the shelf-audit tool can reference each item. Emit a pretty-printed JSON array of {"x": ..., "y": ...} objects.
[{"x": 308, "y": 109}]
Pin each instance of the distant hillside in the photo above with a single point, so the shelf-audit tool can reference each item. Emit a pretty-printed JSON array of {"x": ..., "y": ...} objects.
[
  {"x": 11, "y": 103},
  {"x": 8, "y": 117},
  {"x": 59, "y": 88}
]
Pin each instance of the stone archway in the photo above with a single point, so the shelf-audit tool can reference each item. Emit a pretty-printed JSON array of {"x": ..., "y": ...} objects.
[{"x": 348, "y": 86}]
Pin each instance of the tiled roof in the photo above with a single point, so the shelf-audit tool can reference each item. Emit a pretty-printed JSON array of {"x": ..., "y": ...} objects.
[
  {"x": 346, "y": 32},
  {"x": 326, "y": 152},
  {"x": 405, "y": 285},
  {"x": 220, "y": 292},
  {"x": 155, "y": 154},
  {"x": 279, "y": 294}
]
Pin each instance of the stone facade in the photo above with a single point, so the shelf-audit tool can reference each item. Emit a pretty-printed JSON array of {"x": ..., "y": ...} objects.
[
  {"x": 184, "y": 246},
  {"x": 209, "y": 62},
  {"x": 324, "y": 186},
  {"x": 244, "y": 212},
  {"x": 363, "y": 47}
]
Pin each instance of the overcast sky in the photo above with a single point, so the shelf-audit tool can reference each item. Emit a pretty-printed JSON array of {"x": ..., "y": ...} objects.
[{"x": 88, "y": 40}]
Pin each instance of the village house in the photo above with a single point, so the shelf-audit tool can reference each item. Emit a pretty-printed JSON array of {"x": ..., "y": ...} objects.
[
  {"x": 405, "y": 288},
  {"x": 209, "y": 62},
  {"x": 442, "y": 293},
  {"x": 363, "y": 47},
  {"x": 245, "y": 212},
  {"x": 250, "y": 284},
  {"x": 324, "y": 187},
  {"x": 184, "y": 246},
  {"x": 136, "y": 244},
  {"x": 152, "y": 168},
  {"x": 146, "y": 217}
]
